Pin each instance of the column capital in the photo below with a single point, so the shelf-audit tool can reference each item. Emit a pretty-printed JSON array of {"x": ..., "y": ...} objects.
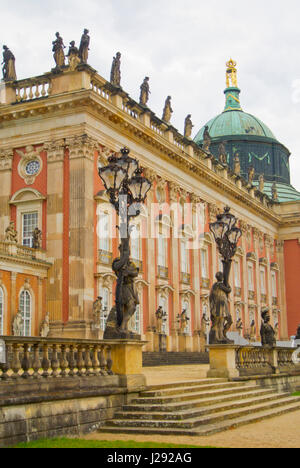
[
  {"x": 82, "y": 146},
  {"x": 6, "y": 159}
]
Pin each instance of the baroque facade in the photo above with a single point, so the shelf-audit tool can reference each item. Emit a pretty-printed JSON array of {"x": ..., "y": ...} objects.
[{"x": 56, "y": 130}]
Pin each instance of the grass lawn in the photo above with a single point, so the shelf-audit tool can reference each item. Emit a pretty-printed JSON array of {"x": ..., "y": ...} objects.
[
  {"x": 78, "y": 443},
  {"x": 296, "y": 394}
]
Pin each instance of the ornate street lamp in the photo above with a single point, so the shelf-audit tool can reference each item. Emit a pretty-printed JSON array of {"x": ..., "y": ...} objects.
[
  {"x": 227, "y": 236},
  {"x": 127, "y": 189}
]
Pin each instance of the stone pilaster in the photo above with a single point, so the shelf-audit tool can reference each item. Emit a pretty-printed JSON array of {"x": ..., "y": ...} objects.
[
  {"x": 6, "y": 159},
  {"x": 55, "y": 223},
  {"x": 81, "y": 230}
]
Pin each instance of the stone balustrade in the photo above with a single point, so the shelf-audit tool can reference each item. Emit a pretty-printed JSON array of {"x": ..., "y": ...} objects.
[
  {"x": 42, "y": 358},
  {"x": 33, "y": 88},
  {"x": 241, "y": 361},
  {"x": 17, "y": 250}
]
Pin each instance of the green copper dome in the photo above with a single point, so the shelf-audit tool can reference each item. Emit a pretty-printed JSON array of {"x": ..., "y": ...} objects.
[
  {"x": 239, "y": 136},
  {"x": 234, "y": 122}
]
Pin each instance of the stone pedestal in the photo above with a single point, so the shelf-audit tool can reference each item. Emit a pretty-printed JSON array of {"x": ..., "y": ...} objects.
[
  {"x": 222, "y": 360},
  {"x": 127, "y": 357},
  {"x": 185, "y": 344}
]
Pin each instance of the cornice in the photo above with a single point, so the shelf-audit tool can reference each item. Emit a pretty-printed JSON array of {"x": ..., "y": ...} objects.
[{"x": 91, "y": 102}]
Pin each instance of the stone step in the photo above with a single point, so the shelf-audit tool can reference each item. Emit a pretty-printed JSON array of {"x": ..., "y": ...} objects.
[
  {"x": 187, "y": 389},
  {"x": 185, "y": 405},
  {"x": 208, "y": 419},
  {"x": 199, "y": 411},
  {"x": 185, "y": 383},
  {"x": 208, "y": 429},
  {"x": 232, "y": 388}
]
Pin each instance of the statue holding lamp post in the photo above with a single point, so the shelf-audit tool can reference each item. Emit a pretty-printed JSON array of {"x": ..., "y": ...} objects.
[{"x": 127, "y": 189}]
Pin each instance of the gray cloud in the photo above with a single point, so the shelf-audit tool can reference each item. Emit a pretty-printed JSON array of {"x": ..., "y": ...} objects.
[{"x": 183, "y": 47}]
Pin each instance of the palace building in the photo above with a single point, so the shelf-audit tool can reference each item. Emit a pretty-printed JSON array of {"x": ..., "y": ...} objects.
[{"x": 56, "y": 130}]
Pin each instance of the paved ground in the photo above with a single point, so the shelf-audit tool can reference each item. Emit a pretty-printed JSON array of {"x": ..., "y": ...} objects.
[{"x": 280, "y": 432}]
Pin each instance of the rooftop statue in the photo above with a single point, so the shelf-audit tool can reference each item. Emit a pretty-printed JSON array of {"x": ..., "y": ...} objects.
[
  {"x": 237, "y": 164},
  {"x": 84, "y": 46},
  {"x": 261, "y": 183},
  {"x": 188, "y": 127},
  {"x": 251, "y": 175},
  {"x": 145, "y": 92},
  {"x": 73, "y": 56},
  {"x": 274, "y": 192},
  {"x": 168, "y": 111},
  {"x": 58, "y": 49},
  {"x": 8, "y": 69},
  {"x": 222, "y": 153},
  {"x": 115, "y": 74},
  {"x": 267, "y": 332},
  {"x": 206, "y": 140}
]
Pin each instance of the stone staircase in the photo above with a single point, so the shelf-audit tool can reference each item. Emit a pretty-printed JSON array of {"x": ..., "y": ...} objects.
[
  {"x": 199, "y": 408},
  {"x": 155, "y": 359}
]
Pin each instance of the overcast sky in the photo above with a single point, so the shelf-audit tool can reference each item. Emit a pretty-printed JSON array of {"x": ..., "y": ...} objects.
[{"x": 183, "y": 47}]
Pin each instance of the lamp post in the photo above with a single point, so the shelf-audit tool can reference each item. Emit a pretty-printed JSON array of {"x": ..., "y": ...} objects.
[
  {"x": 127, "y": 189},
  {"x": 227, "y": 236}
]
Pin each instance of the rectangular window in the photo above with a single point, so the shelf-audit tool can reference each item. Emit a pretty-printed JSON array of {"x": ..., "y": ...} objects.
[
  {"x": 237, "y": 274},
  {"x": 135, "y": 244},
  {"x": 162, "y": 252},
  {"x": 263, "y": 281},
  {"x": 104, "y": 232},
  {"x": 204, "y": 264},
  {"x": 274, "y": 284},
  {"x": 30, "y": 222},
  {"x": 185, "y": 263},
  {"x": 250, "y": 277}
]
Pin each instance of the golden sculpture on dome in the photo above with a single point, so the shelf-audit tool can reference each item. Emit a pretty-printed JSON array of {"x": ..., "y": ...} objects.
[{"x": 231, "y": 74}]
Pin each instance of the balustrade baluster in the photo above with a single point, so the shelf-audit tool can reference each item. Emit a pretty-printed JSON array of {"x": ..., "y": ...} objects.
[
  {"x": 5, "y": 367},
  {"x": 25, "y": 97},
  {"x": 54, "y": 362},
  {"x": 103, "y": 362},
  {"x": 36, "y": 363},
  {"x": 95, "y": 360},
  {"x": 26, "y": 362},
  {"x": 37, "y": 90},
  {"x": 71, "y": 359},
  {"x": 18, "y": 94},
  {"x": 63, "y": 361},
  {"x": 30, "y": 92},
  {"x": 80, "y": 361},
  {"x": 88, "y": 361},
  {"x": 46, "y": 361},
  {"x": 16, "y": 363},
  {"x": 109, "y": 361}
]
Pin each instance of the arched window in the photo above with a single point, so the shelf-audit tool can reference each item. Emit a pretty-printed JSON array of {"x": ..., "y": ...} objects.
[
  {"x": 1, "y": 312},
  {"x": 26, "y": 311}
]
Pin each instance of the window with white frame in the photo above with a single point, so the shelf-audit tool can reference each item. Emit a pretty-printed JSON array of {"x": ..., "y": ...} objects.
[
  {"x": 274, "y": 284},
  {"x": 29, "y": 224},
  {"x": 26, "y": 311},
  {"x": 135, "y": 243},
  {"x": 104, "y": 231},
  {"x": 184, "y": 256},
  {"x": 237, "y": 273},
  {"x": 204, "y": 264},
  {"x": 162, "y": 251},
  {"x": 263, "y": 281},
  {"x": 104, "y": 293},
  {"x": 136, "y": 320},
  {"x": 1, "y": 311},
  {"x": 250, "y": 277}
]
